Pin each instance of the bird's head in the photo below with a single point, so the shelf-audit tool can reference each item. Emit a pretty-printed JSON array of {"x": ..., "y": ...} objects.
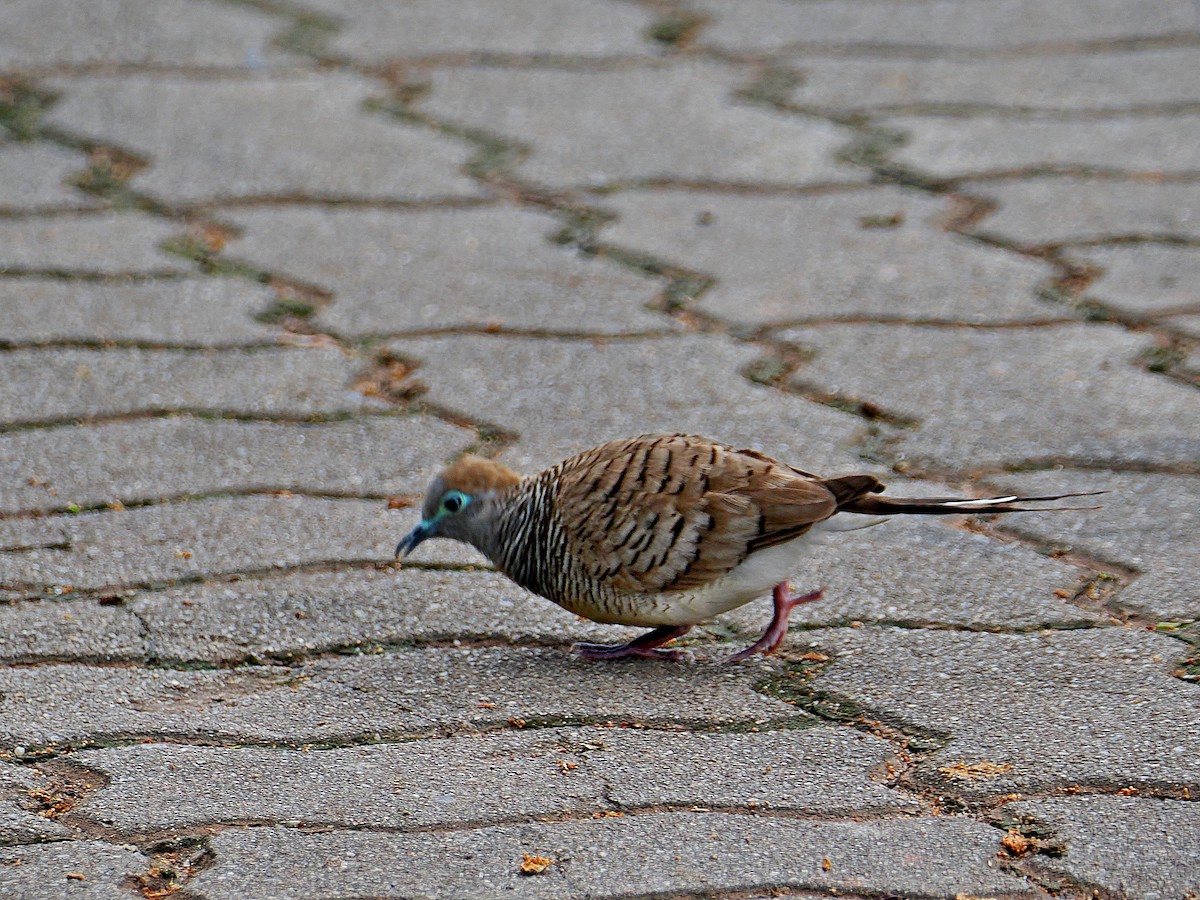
[{"x": 461, "y": 503}]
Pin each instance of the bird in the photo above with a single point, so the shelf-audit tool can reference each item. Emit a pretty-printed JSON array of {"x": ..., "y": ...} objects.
[{"x": 663, "y": 531}]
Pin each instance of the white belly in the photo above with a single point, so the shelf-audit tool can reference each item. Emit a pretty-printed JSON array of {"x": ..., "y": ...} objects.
[{"x": 756, "y": 576}]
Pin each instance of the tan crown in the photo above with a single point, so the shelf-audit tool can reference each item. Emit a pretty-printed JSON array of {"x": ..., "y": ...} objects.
[{"x": 474, "y": 475}]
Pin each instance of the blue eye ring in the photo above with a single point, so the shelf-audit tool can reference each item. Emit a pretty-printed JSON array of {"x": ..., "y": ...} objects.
[{"x": 453, "y": 501}]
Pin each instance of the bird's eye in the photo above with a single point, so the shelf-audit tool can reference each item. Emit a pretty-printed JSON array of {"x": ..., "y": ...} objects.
[{"x": 454, "y": 501}]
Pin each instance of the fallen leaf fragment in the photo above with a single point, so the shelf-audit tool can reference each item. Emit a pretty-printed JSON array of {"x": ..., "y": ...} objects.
[
  {"x": 76, "y": 876},
  {"x": 976, "y": 771},
  {"x": 1016, "y": 843},
  {"x": 813, "y": 656},
  {"x": 826, "y": 865},
  {"x": 531, "y": 864}
]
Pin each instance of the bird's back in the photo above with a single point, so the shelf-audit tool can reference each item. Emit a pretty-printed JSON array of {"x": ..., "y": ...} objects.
[{"x": 652, "y": 517}]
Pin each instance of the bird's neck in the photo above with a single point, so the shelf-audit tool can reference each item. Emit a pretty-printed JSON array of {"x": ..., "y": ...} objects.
[{"x": 524, "y": 535}]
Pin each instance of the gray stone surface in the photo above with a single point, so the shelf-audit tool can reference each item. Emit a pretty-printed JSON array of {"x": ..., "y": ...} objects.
[
  {"x": 1128, "y": 845},
  {"x": 71, "y": 383},
  {"x": 1063, "y": 210},
  {"x": 43, "y": 34},
  {"x": 1144, "y": 278},
  {"x": 832, "y": 771},
  {"x": 917, "y": 572},
  {"x": 397, "y": 271},
  {"x": 102, "y": 243},
  {"x": 489, "y": 778},
  {"x": 951, "y": 147},
  {"x": 56, "y": 629},
  {"x": 18, "y": 825},
  {"x": 411, "y": 692},
  {"x": 206, "y": 137},
  {"x": 153, "y": 458},
  {"x": 636, "y": 855},
  {"x": 1118, "y": 79},
  {"x": 779, "y": 259},
  {"x": 971, "y": 388},
  {"x": 1148, "y": 523},
  {"x": 33, "y": 176},
  {"x": 45, "y": 870},
  {"x": 761, "y": 25},
  {"x": 1095, "y": 708},
  {"x": 678, "y": 123},
  {"x": 171, "y": 541},
  {"x": 376, "y": 30},
  {"x": 687, "y": 383},
  {"x": 303, "y": 613},
  {"x": 170, "y": 311}
]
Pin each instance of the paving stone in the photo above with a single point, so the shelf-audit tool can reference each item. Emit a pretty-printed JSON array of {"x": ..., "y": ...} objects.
[
  {"x": 924, "y": 573},
  {"x": 49, "y": 385},
  {"x": 46, "y": 870},
  {"x": 289, "y": 615},
  {"x": 1095, "y": 708},
  {"x": 291, "y": 135},
  {"x": 489, "y": 778},
  {"x": 953, "y": 147},
  {"x": 1057, "y": 210},
  {"x": 352, "y": 698},
  {"x": 563, "y": 396},
  {"x": 824, "y": 771},
  {"x": 677, "y": 123},
  {"x": 1148, "y": 522},
  {"x": 765, "y": 25},
  {"x": 47, "y": 469},
  {"x": 787, "y": 258},
  {"x": 1093, "y": 401},
  {"x": 33, "y": 176},
  {"x": 395, "y": 271},
  {"x": 189, "y": 540},
  {"x": 376, "y": 30},
  {"x": 104, "y": 243},
  {"x": 189, "y": 311},
  {"x": 1130, "y": 846},
  {"x": 1144, "y": 278},
  {"x": 17, "y": 824},
  {"x": 43, "y": 34},
  {"x": 1117, "y": 79},
  {"x": 648, "y": 854},
  {"x": 476, "y": 779},
  {"x": 33, "y": 630}
]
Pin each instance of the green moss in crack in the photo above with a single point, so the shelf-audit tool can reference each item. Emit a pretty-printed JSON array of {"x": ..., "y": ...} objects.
[
  {"x": 684, "y": 289},
  {"x": 22, "y": 108},
  {"x": 285, "y": 311},
  {"x": 675, "y": 30},
  {"x": 1162, "y": 359},
  {"x": 768, "y": 370}
]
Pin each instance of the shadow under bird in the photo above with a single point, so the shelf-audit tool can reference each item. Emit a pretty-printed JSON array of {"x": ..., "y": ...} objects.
[{"x": 662, "y": 530}]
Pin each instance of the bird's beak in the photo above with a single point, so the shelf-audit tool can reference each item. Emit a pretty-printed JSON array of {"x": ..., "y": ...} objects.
[{"x": 414, "y": 537}]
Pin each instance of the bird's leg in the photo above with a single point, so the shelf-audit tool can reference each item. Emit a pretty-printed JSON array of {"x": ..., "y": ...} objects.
[
  {"x": 646, "y": 645},
  {"x": 785, "y": 601}
]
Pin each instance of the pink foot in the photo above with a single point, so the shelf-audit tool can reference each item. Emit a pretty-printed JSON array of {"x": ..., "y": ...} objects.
[
  {"x": 785, "y": 602},
  {"x": 647, "y": 645}
]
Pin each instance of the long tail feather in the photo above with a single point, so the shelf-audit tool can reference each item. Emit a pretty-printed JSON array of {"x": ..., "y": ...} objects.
[{"x": 934, "y": 506}]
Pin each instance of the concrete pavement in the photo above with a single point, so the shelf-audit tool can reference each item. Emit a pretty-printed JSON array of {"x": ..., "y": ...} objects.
[{"x": 267, "y": 265}]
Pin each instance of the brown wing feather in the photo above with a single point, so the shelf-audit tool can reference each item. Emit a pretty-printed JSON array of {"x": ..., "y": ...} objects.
[{"x": 674, "y": 512}]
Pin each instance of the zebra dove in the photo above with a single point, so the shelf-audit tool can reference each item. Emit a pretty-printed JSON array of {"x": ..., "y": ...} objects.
[{"x": 661, "y": 530}]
